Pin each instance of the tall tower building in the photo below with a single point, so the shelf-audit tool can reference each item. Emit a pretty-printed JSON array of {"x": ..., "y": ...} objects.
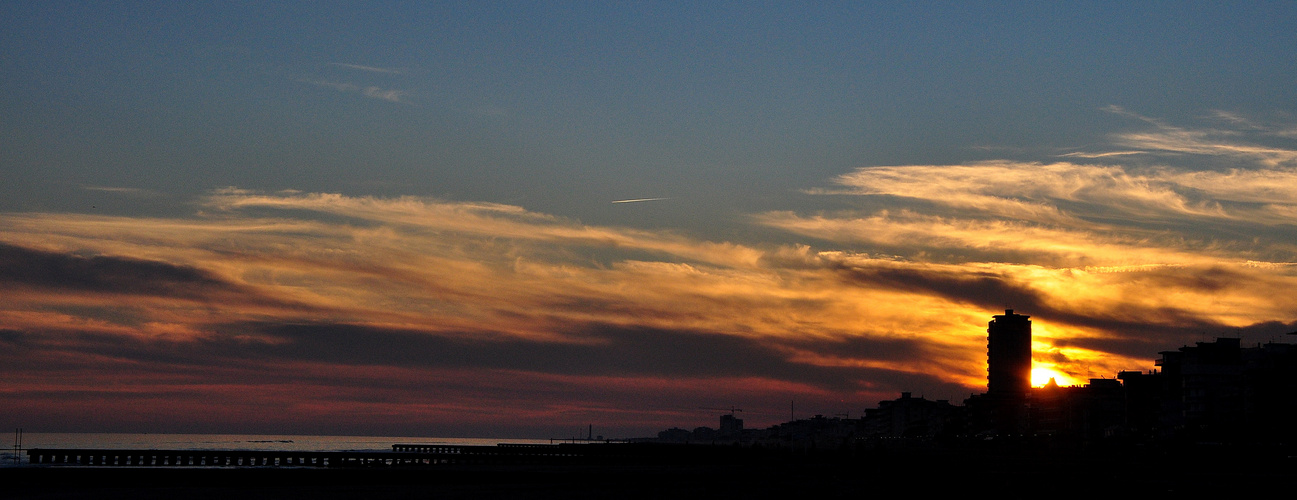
[{"x": 1008, "y": 355}]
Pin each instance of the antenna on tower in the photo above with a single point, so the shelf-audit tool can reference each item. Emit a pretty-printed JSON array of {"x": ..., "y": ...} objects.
[{"x": 18, "y": 446}]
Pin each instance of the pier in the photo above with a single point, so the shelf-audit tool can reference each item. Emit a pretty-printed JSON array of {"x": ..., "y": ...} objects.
[
  {"x": 402, "y": 455},
  {"x": 209, "y": 458}
]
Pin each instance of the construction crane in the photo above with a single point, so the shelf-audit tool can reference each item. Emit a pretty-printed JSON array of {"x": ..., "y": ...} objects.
[{"x": 730, "y": 409}]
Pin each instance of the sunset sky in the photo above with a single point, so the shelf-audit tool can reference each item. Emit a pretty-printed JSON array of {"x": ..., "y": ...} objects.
[{"x": 518, "y": 219}]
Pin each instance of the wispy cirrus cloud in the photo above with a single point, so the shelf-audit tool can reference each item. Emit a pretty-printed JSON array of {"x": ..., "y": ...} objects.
[
  {"x": 1218, "y": 142},
  {"x": 1079, "y": 194},
  {"x": 370, "y": 91},
  {"x": 958, "y": 239},
  {"x": 327, "y": 279},
  {"x": 336, "y": 304},
  {"x": 131, "y": 191},
  {"x": 374, "y": 92},
  {"x": 390, "y": 95},
  {"x": 1112, "y": 257},
  {"x": 371, "y": 69},
  {"x": 1105, "y": 154},
  {"x": 497, "y": 287}
]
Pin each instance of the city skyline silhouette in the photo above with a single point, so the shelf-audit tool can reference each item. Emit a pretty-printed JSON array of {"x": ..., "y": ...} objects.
[{"x": 518, "y": 220}]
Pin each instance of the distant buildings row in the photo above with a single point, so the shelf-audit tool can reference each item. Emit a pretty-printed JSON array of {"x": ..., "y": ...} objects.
[{"x": 1217, "y": 392}]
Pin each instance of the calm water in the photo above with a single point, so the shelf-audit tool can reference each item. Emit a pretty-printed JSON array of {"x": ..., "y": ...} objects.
[{"x": 228, "y": 442}]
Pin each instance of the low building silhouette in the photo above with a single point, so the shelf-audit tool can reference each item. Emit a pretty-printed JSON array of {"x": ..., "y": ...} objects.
[
  {"x": 731, "y": 427},
  {"x": 1219, "y": 392},
  {"x": 1078, "y": 414},
  {"x": 1212, "y": 391},
  {"x": 911, "y": 417},
  {"x": 818, "y": 432}
]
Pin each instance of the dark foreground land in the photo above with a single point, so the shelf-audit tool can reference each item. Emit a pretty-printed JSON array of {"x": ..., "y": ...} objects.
[{"x": 1203, "y": 473}]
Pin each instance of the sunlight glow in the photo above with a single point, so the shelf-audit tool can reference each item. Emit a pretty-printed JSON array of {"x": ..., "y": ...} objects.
[{"x": 1041, "y": 375}]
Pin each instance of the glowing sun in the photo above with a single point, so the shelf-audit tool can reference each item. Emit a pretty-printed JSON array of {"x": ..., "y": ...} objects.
[{"x": 1041, "y": 375}]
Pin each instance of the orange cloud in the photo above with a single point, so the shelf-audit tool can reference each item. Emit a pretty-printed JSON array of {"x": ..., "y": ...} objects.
[{"x": 337, "y": 306}]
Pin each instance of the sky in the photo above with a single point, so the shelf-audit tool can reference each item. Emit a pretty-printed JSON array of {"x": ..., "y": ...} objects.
[{"x": 521, "y": 219}]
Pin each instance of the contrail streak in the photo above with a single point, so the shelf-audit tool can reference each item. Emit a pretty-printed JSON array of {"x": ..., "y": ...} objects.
[{"x": 639, "y": 199}]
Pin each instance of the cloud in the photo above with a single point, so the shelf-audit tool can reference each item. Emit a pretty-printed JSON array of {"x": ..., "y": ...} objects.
[
  {"x": 1113, "y": 259},
  {"x": 1056, "y": 208},
  {"x": 424, "y": 284},
  {"x": 594, "y": 350},
  {"x": 1077, "y": 194},
  {"x": 384, "y": 94},
  {"x": 339, "y": 86},
  {"x": 409, "y": 306},
  {"x": 122, "y": 190},
  {"x": 371, "y": 69},
  {"x": 24, "y": 267},
  {"x": 374, "y": 92},
  {"x": 948, "y": 238},
  {"x": 1106, "y": 154},
  {"x": 1224, "y": 143}
]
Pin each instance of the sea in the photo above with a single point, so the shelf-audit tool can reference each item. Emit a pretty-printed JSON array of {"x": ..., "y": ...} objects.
[{"x": 15, "y": 455}]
